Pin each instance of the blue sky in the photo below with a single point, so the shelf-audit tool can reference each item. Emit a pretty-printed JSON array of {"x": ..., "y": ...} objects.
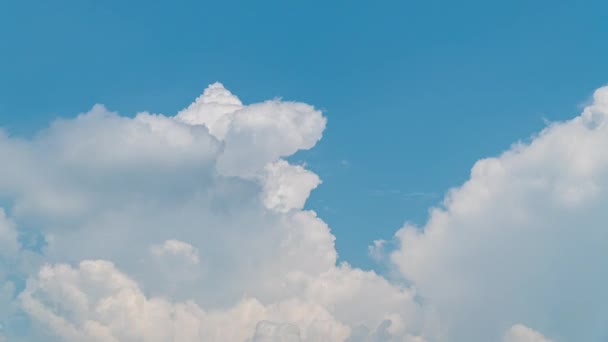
[
  {"x": 414, "y": 91},
  {"x": 184, "y": 216}
]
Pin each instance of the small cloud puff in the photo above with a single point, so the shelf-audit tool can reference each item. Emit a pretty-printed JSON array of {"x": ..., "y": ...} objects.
[
  {"x": 176, "y": 248},
  {"x": 521, "y": 333}
]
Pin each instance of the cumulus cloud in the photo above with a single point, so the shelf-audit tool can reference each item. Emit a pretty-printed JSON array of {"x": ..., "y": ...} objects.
[
  {"x": 287, "y": 186},
  {"x": 263, "y": 132},
  {"x": 96, "y": 302},
  {"x": 523, "y": 240},
  {"x": 186, "y": 227},
  {"x": 213, "y": 109},
  {"x": 256, "y": 134},
  {"x": 192, "y": 227}
]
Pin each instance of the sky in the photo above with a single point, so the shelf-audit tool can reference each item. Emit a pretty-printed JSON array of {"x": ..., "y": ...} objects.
[
  {"x": 377, "y": 116},
  {"x": 414, "y": 91}
]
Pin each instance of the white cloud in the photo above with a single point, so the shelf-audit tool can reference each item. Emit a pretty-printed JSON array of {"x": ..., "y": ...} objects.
[
  {"x": 213, "y": 109},
  {"x": 523, "y": 240},
  {"x": 521, "y": 333},
  {"x": 176, "y": 248},
  {"x": 256, "y": 134},
  {"x": 96, "y": 302},
  {"x": 264, "y": 132},
  {"x": 377, "y": 249},
  {"x": 287, "y": 186},
  {"x": 182, "y": 228},
  {"x": 192, "y": 227}
]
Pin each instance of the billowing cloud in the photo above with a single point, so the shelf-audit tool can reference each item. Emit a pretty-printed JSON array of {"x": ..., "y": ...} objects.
[
  {"x": 523, "y": 240},
  {"x": 96, "y": 302},
  {"x": 192, "y": 227},
  {"x": 253, "y": 135},
  {"x": 186, "y": 227},
  {"x": 287, "y": 186}
]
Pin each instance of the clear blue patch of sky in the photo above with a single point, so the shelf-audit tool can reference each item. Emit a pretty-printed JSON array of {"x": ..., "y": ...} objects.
[{"x": 415, "y": 91}]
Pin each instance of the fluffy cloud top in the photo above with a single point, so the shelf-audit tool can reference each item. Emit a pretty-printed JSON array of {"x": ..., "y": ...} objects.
[
  {"x": 256, "y": 134},
  {"x": 192, "y": 227}
]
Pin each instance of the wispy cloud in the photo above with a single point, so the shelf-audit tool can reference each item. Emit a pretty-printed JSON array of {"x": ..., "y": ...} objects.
[{"x": 421, "y": 195}]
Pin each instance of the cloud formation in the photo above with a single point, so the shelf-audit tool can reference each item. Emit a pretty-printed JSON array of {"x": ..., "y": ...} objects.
[
  {"x": 192, "y": 227},
  {"x": 524, "y": 240},
  {"x": 184, "y": 228},
  {"x": 521, "y": 333}
]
